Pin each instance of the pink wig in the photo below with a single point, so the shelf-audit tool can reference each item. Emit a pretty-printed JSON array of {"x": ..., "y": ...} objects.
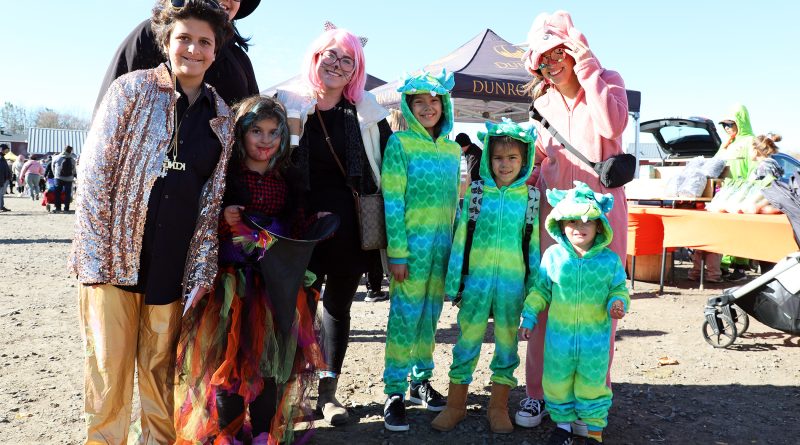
[{"x": 354, "y": 90}]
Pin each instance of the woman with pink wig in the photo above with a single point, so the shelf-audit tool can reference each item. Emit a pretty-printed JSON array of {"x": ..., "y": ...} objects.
[
  {"x": 332, "y": 105},
  {"x": 588, "y": 105}
]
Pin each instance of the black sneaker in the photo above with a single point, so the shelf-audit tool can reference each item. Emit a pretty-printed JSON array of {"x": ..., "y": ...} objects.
[
  {"x": 736, "y": 275},
  {"x": 560, "y": 436},
  {"x": 422, "y": 393},
  {"x": 375, "y": 296},
  {"x": 531, "y": 412},
  {"x": 394, "y": 413}
]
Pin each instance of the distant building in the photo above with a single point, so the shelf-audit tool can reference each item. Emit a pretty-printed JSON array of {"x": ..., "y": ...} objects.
[
  {"x": 53, "y": 140},
  {"x": 15, "y": 141}
]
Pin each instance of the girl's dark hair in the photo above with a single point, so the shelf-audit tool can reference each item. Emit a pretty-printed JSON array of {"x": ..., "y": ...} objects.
[
  {"x": 165, "y": 15},
  {"x": 254, "y": 109},
  {"x": 437, "y": 129}
]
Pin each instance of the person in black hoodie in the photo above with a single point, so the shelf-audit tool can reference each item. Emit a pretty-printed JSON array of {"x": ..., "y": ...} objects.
[{"x": 231, "y": 74}]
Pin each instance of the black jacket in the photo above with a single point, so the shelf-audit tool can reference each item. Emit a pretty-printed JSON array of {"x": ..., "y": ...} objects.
[
  {"x": 231, "y": 74},
  {"x": 5, "y": 172}
]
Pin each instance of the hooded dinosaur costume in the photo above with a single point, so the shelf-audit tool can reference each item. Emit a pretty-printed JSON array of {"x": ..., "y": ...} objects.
[
  {"x": 737, "y": 154},
  {"x": 420, "y": 179},
  {"x": 580, "y": 292},
  {"x": 496, "y": 280},
  {"x": 495, "y": 237}
]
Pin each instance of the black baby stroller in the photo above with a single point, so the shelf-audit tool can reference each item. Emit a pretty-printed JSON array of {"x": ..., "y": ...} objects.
[{"x": 774, "y": 297}]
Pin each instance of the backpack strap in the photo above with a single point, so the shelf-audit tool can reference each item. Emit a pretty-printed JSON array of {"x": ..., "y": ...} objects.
[
  {"x": 474, "y": 209},
  {"x": 531, "y": 212}
]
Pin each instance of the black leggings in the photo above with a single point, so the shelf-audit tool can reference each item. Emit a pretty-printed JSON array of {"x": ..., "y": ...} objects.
[
  {"x": 262, "y": 409},
  {"x": 336, "y": 302},
  {"x": 375, "y": 274}
]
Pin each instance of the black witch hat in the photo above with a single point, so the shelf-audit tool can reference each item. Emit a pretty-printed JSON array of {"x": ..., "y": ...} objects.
[{"x": 284, "y": 264}]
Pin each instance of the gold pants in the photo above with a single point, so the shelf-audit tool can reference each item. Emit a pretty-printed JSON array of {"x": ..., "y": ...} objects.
[{"x": 120, "y": 331}]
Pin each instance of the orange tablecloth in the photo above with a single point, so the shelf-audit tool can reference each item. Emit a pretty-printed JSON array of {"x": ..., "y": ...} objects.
[
  {"x": 760, "y": 237},
  {"x": 645, "y": 234}
]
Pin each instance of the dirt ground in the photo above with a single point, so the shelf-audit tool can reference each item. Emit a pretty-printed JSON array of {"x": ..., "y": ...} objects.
[{"x": 747, "y": 394}]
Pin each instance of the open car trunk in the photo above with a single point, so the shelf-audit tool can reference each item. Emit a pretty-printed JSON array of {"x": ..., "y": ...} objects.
[{"x": 684, "y": 138}]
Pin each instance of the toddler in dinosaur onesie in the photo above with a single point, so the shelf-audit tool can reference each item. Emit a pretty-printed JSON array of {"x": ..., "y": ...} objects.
[
  {"x": 583, "y": 281},
  {"x": 493, "y": 264},
  {"x": 420, "y": 179}
]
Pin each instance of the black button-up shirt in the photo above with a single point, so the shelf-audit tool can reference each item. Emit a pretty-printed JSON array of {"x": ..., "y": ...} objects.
[{"x": 175, "y": 202}]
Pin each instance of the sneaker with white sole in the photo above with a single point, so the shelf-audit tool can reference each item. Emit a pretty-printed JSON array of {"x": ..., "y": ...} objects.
[
  {"x": 394, "y": 413},
  {"x": 376, "y": 296},
  {"x": 531, "y": 412},
  {"x": 422, "y": 393}
]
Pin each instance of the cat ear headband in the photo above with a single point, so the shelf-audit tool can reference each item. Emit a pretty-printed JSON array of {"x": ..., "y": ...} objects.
[{"x": 329, "y": 26}]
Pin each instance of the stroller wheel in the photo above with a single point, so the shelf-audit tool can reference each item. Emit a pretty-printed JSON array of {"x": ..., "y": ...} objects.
[
  {"x": 741, "y": 319},
  {"x": 723, "y": 334}
]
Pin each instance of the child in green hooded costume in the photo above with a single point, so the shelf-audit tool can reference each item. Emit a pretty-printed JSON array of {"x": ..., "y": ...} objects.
[
  {"x": 583, "y": 281},
  {"x": 420, "y": 178},
  {"x": 501, "y": 207}
]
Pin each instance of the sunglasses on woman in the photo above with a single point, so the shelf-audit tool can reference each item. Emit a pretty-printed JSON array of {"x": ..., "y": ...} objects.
[{"x": 556, "y": 56}]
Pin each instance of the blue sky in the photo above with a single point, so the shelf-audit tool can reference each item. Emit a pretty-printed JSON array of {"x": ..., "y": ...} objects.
[{"x": 688, "y": 58}]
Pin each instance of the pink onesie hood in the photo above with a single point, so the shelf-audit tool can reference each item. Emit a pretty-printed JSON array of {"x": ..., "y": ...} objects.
[{"x": 547, "y": 32}]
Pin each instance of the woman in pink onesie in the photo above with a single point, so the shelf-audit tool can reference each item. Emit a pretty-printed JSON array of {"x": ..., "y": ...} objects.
[{"x": 588, "y": 105}]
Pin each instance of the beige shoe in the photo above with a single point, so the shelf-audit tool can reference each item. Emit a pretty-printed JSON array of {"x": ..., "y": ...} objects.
[
  {"x": 499, "y": 421},
  {"x": 327, "y": 405},
  {"x": 455, "y": 411}
]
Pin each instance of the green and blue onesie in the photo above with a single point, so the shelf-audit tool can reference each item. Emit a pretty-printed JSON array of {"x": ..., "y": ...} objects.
[
  {"x": 496, "y": 280},
  {"x": 580, "y": 292},
  {"x": 420, "y": 179}
]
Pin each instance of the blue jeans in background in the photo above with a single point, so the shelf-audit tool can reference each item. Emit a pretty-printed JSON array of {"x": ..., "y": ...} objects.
[{"x": 66, "y": 187}]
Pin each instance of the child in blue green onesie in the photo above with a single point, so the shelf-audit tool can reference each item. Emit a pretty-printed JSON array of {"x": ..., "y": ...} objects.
[
  {"x": 583, "y": 281},
  {"x": 498, "y": 278},
  {"x": 420, "y": 179}
]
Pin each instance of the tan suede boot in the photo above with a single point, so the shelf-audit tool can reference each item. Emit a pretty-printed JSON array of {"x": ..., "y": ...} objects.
[
  {"x": 455, "y": 411},
  {"x": 499, "y": 421},
  {"x": 333, "y": 411}
]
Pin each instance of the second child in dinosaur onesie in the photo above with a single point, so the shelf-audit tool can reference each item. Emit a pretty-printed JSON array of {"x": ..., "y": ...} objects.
[
  {"x": 496, "y": 271},
  {"x": 583, "y": 282},
  {"x": 420, "y": 178}
]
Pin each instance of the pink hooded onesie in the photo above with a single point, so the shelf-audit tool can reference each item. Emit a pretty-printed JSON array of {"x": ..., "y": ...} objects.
[{"x": 594, "y": 126}]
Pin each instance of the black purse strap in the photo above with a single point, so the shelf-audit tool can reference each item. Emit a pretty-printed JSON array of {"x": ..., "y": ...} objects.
[
  {"x": 333, "y": 152},
  {"x": 535, "y": 115}
]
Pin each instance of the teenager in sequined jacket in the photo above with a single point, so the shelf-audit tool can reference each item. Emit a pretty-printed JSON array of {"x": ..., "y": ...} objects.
[{"x": 150, "y": 183}]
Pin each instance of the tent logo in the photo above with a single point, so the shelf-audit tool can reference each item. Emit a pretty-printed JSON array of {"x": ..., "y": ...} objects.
[{"x": 515, "y": 53}]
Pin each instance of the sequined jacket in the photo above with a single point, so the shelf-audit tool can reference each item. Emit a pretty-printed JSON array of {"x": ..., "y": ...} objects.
[{"x": 120, "y": 162}]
